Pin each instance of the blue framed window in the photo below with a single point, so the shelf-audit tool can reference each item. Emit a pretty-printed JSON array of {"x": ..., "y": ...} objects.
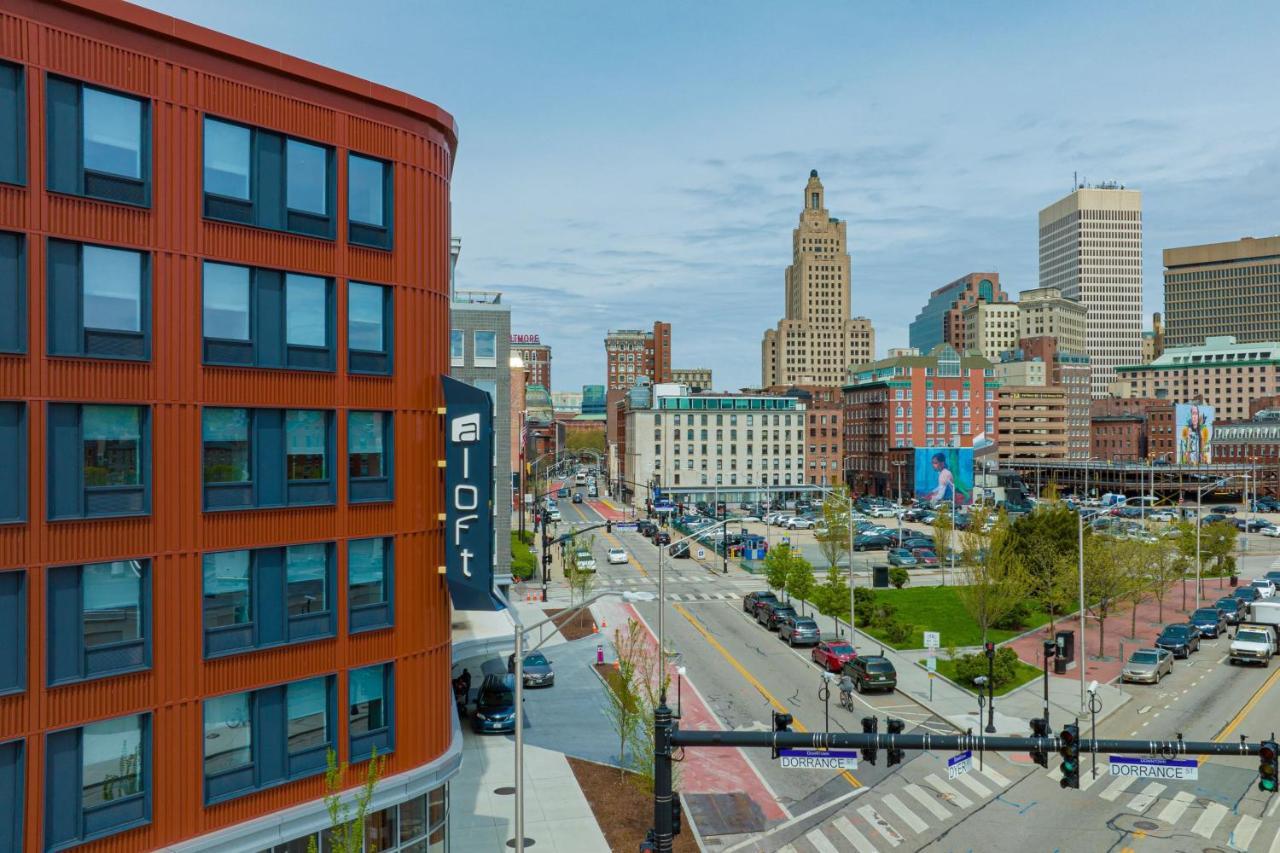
[
  {"x": 13, "y": 125},
  {"x": 369, "y": 324},
  {"x": 266, "y": 737},
  {"x": 256, "y": 177},
  {"x": 371, "y": 710},
  {"x": 13, "y": 461},
  {"x": 370, "y": 457},
  {"x": 99, "y": 460},
  {"x": 13, "y": 293},
  {"x": 486, "y": 349},
  {"x": 99, "y": 142},
  {"x": 370, "y": 201},
  {"x": 12, "y": 793},
  {"x": 267, "y": 318},
  {"x": 99, "y": 620},
  {"x": 13, "y": 634},
  {"x": 370, "y": 588},
  {"x": 98, "y": 780},
  {"x": 261, "y": 458},
  {"x": 99, "y": 301},
  {"x": 457, "y": 348},
  {"x": 267, "y": 597}
]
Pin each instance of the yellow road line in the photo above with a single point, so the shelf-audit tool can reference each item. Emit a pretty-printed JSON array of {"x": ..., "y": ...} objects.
[
  {"x": 751, "y": 679},
  {"x": 1244, "y": 712}
]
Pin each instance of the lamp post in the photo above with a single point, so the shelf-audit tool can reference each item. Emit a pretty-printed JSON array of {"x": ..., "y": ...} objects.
[
  {"x": 1080, "y": 643},
  {"x": 898, "y": 463},
  {"x": 1200, "y": 524}
]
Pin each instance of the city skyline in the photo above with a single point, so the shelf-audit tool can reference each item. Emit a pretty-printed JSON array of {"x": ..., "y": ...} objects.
[{"x": 937, "y": 173}]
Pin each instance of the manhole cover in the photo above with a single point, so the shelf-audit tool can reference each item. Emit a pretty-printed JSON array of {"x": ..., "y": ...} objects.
[
  {"x": 1145, "y": 824},
  {"x": 528, "y": 842},
  {"x": 504, "y": 791}
]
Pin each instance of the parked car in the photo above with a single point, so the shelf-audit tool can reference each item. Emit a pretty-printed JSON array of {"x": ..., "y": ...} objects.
[
  {"x": 1251, "y": 525},
  {"x": 883, "y": 512},
  {"x": 1247, "y": 594},
  {"x": 495, "y": 705},
  {"x": 832, "y": 655},
  {"x": 799, "y": 630},
  {"x": 1265, "y": 587},
  {"x": 1232, "y": 609},
  {"x": 799, "y": 522},
  {"x": 1181, "y": 638},
  {"x": 1149, "y": 665},
  {"x": 871, "y": 543},
  {"x": 617, "y": 556},
  {"x": 1209, "y": 621},
  {"x": 1213, "y": 518},
  {"x": 537, "y": 670},
  {"x": 915, "y": 540},
  {"x": 646, "y": 528},
  {"x": 1274, "y": 577},
  {"x": 1265, "y": 504},
  {"x": 871, "y": 673},
  {"x": 1162, "y": 515},
  {"x": 925, "y": 556},
  {"x": 661, "y": 537},
  {"x": 902, "y": 557},
  {"x": 771, "y": 613},
  {"x": 752, "y": 601},
  {"x": 680, "y": 550},
  {"x": 1224, "y": 509},
  {"x": 1272, "y": 531}
]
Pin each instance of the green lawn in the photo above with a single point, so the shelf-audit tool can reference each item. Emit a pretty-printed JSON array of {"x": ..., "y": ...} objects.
[
  {"x": 1025, "y": 672},
  {"x": 938, "y": 608}
]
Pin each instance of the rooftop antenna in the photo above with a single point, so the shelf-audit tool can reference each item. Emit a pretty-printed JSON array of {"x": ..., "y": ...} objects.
[{"x": 1075, "y": 181}]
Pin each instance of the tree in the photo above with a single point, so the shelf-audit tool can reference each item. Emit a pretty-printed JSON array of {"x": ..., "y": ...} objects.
[
  {"x": 1106, "y": 581},
  {"x": 625, "y": 695},
  {"x": 777, "y": 563},
  {"x": 832, "y": 597},
  {"x": 581, "y": 581},
  {"x": 834, "y": 544},
  {"x": 943, "y": 532},
  {"x": 579, "y": 440},
  {"x": 993, "y": 578},
  {"x": 799, "y": 579},
  {"x": 346, "y": 828},
  {"x": 899, "y": 577},
  {"x": 1050, "y": 493},
  {"x": 1217, "y": 543},
  {"x": 1166, "y": 565},
  {"x": 1132, "y": 558},
  {"x": 1185, "y": 542}
]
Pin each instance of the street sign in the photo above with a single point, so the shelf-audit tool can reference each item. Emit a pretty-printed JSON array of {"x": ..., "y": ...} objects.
[
  {"x": 931, "y": 664},
  {"x": 932, "y": 640},
  {"x": 701, "y": 553},
  {"x": 1155, "y": 768},
  {"x": 818, "y": 759},
  {"x": 959, "y": 765},
  {"x": 624, "y": 525},
  {"x": 528, "y": 497}
]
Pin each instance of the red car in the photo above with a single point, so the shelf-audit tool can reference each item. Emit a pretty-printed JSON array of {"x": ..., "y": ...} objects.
[
  {"x": 833, "y": 655},
  {"x": 925, "y": 556}
]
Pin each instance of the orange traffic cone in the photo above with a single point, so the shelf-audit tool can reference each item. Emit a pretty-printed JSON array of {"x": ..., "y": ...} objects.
[{"x": 595, "y": 630}]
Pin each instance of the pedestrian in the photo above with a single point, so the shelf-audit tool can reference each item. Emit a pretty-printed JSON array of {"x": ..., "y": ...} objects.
[{"x": 465, "y": 678}]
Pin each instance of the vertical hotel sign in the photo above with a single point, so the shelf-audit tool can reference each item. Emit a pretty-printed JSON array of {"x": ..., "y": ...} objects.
[{"x": 468, "y": 482}]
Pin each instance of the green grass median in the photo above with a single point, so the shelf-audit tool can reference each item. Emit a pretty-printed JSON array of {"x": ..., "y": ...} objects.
[{"x": 939, "y": 608}]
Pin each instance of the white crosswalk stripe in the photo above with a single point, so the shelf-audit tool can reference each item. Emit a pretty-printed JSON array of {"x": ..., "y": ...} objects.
[
  {"x": 1209, "y": 820},
  {"x": 908, "y": 816},
  {"x": 1176, "y": 807},
  {"x": 928, "y": 801},
  {"x": 820, "y": 842},
  {"x": 1275, "y": 843},
  {"x": 1055, "y": 774},
  {"x": 949, "y": 793},
  {"x": 1143, "y": 801},
  {"x": 881, "y": 825},
  {"x": 974, "y": 785},
  {"x": 994, "y": 775},
  {"x": 1088, "y": 779},
  {"x": 1116, "y": 788},
  {"x": 1242, "y": 835},
  {"x": 854, "y": 837}
]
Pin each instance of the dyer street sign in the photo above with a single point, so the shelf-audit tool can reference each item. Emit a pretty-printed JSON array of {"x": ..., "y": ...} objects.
[
  {"x": 960, "y": 764},
  {"x": 818, "y": 759},
  {"x": 1155, "y": 768}
]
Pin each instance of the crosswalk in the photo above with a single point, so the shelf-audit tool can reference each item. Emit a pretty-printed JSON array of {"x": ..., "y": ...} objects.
[
  {"x": 652, "y": 580},
  {"x": 901, "y": 814}
]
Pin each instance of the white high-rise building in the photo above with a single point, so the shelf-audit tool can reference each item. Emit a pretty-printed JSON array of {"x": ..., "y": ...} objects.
[{"x": 1091, "y": 250}]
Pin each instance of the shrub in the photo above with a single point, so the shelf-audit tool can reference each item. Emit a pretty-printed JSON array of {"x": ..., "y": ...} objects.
[
  {"x": 1017, "y": 617},
  {"x": 969, "y": 667},
  {"x": 897, "y": 632},
  {"x": 899, "y": 577},
  {"x": 523, "y": 563}
]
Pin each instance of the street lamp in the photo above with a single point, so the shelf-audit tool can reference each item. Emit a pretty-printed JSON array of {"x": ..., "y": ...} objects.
[
  {"x": 1080, "y": 642},
  {"x": 1200, "y": 523}
]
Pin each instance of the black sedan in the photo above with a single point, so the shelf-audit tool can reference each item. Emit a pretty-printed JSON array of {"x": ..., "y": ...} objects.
[
  {"x": 495, "y": 706},
  {"x": 1182, "y": 639},
  {"x": 871, "y": 543},
  {"x": 537, "y": 670},
  {"x": 1209, "y": 621},
  {"x": 1232, "y": 609}
]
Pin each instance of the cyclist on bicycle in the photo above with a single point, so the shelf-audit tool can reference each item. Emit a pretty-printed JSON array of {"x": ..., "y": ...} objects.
[{"x": 846, "y": 691}]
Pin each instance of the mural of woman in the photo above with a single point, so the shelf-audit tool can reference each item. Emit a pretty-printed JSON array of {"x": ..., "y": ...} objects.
[
  {"x": 1194, "y": 438},
  {"x": 946, "y": 488}
]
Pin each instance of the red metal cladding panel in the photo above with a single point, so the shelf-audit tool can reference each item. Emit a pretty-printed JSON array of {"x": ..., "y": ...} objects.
[{"x": 185, "y": 73}]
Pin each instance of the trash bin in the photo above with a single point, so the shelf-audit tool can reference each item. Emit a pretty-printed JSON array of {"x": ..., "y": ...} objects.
[
  {"x": 880, "y": 577},
  {"x": 1066, "y": 642},
  {"x": 1235, "y": 581}
]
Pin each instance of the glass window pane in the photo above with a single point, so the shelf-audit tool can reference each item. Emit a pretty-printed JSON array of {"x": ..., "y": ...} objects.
[
  {"x": 112, "y": 602},
  {"x": 367, "y": 701},
  {"x": 306, "y": 442},
  {"x": 364, "y": 317},
  {"x": 226, "y": 302},
  {"x": 306, "y": 568},
  {"x": 439, "y": 801},
  {"x": 226, "y": 159},
  {"x": 364, "y": 190},
  {"x": 380, "y": 830},
  {"x": 226, "y": 445},
  {"x": 306, "y": 310},
  {"x": 486, "y": 347},
  {"x": 457, "y": 345},
  {"x": 364, "y": 444},
  {"x": 112, "y": 134},
  {"x": 112, "y": 444},
  {"x": 306, "y": 177},
  {"x": 112, "y": 297},
  {"x": 308, "y": 703},
  {"x": 111, "y": 760},
  {"x": 228, "y": 734},
  {"x": 413, "y": 818},
  {"x": 367, "y": 571},
  {"x": 227, "y": 600}
]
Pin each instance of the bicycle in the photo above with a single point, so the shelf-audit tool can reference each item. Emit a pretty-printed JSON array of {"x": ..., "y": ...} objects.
[{"x": 846, "y": 700}]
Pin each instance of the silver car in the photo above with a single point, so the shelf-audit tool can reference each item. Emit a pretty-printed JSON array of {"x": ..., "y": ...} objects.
[
  {"x": 799, "y": 630},
  {"x": 1147, "y": 665}
]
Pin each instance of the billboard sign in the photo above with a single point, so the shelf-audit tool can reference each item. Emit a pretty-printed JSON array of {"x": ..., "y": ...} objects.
[
  {"x": 944, "y": 474},
  {"x": 469, "y": 496},
  {"x": 1194, "y": 431}
]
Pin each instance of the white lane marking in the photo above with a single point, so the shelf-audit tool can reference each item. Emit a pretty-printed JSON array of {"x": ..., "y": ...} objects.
[
  {"x": 994, "y": 775},
  {"x": 1116, "y": 788},
  {"x": 1208, "y": 822},
  {"x": 973, "y": 784},
  {"x": 850, "y": 832},
  {"x": 1144, "y": 709},
  {"x": 1176, "y": 808},
  {"x": 1153, "y": 716},
  {"x": 1275, "y": 843},
  {"x": 1149, "y": 795},
  {"x": 1132, "y": 733},
  {"x": 900, "y": 808},
  {"x": 1242, "y": 835},
  {"x": 1221, "y": 659},
  {"x": 949, "y": 793},
  {"x": 1087, "y": 779},
  {"x": 789, "y": 848},
  {"x": 923, "y": 798},
  {"x": 1274, "y": 805},
  {"x": 818, "y": 840},
  {"x": 881, "y": 825}
]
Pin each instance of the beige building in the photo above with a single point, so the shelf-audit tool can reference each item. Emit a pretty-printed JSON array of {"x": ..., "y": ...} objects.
[
  {"x": 697, "y": 378},
  {"x": 1045, "y": 312},
  {"x": 1031, "y": 422},
  {"x": 1222, "y": 289},
  {"x": 1026, "y": 372},
  {"x": 817, "y": 339},
  {"x": 991, "y": 328},
  {"x": 1221, "y": 373},
  {"x": 1091, "y": 251}
]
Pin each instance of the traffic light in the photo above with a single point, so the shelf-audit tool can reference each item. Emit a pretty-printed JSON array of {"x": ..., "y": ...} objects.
[
  {"x": 894, "y": 727},
  {"x": 608, "y": 525},
  {"x": 781, "y": 723},
  {"x": 1267, "y": 767},
  {"x": 675, "y": 815},
  {"x": 1040, "y": 728},
  {"x": 991, "y": 649},
  {"x": 1069, "y": 749},
  {"x": 649, "y": 844},
  {"x": 870, "y": 725}
]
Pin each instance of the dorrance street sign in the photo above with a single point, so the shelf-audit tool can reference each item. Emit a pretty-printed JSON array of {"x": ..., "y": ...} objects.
[{"x": 468, "y": 481}]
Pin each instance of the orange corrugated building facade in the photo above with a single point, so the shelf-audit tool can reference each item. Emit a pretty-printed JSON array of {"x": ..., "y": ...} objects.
[{"x": 66, "y": 56}]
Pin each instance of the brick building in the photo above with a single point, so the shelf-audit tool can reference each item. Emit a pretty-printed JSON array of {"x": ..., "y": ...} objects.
[{"x": 1031, "y": 422}]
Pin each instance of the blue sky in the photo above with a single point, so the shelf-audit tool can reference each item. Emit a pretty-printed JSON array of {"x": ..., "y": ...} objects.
[{"x": 622, "y": 163}]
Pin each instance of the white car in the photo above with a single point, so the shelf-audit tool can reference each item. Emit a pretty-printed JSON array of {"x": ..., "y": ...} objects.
[
  {"x": 883, "y": 512},
  {"x": 799, "y": 523},
  {"x": 1162, "y": 515},
  {"x": 1272, "y": 531},
  {"x": 747, "y": 519},
  {"x": 1264, "y": 586},
  {"x": 617, "y": 555}
]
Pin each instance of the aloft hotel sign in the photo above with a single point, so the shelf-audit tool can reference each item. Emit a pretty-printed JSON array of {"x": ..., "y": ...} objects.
[{"x": 468, "y": 479}]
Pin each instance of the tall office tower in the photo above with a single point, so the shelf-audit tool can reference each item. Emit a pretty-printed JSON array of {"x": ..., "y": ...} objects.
[
  {"x": 1219, "y": 289},
  {"x": 817, "y": 340},
  {"x": 941, "y": 320},
  {"x": 1091, "y": 250}
]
